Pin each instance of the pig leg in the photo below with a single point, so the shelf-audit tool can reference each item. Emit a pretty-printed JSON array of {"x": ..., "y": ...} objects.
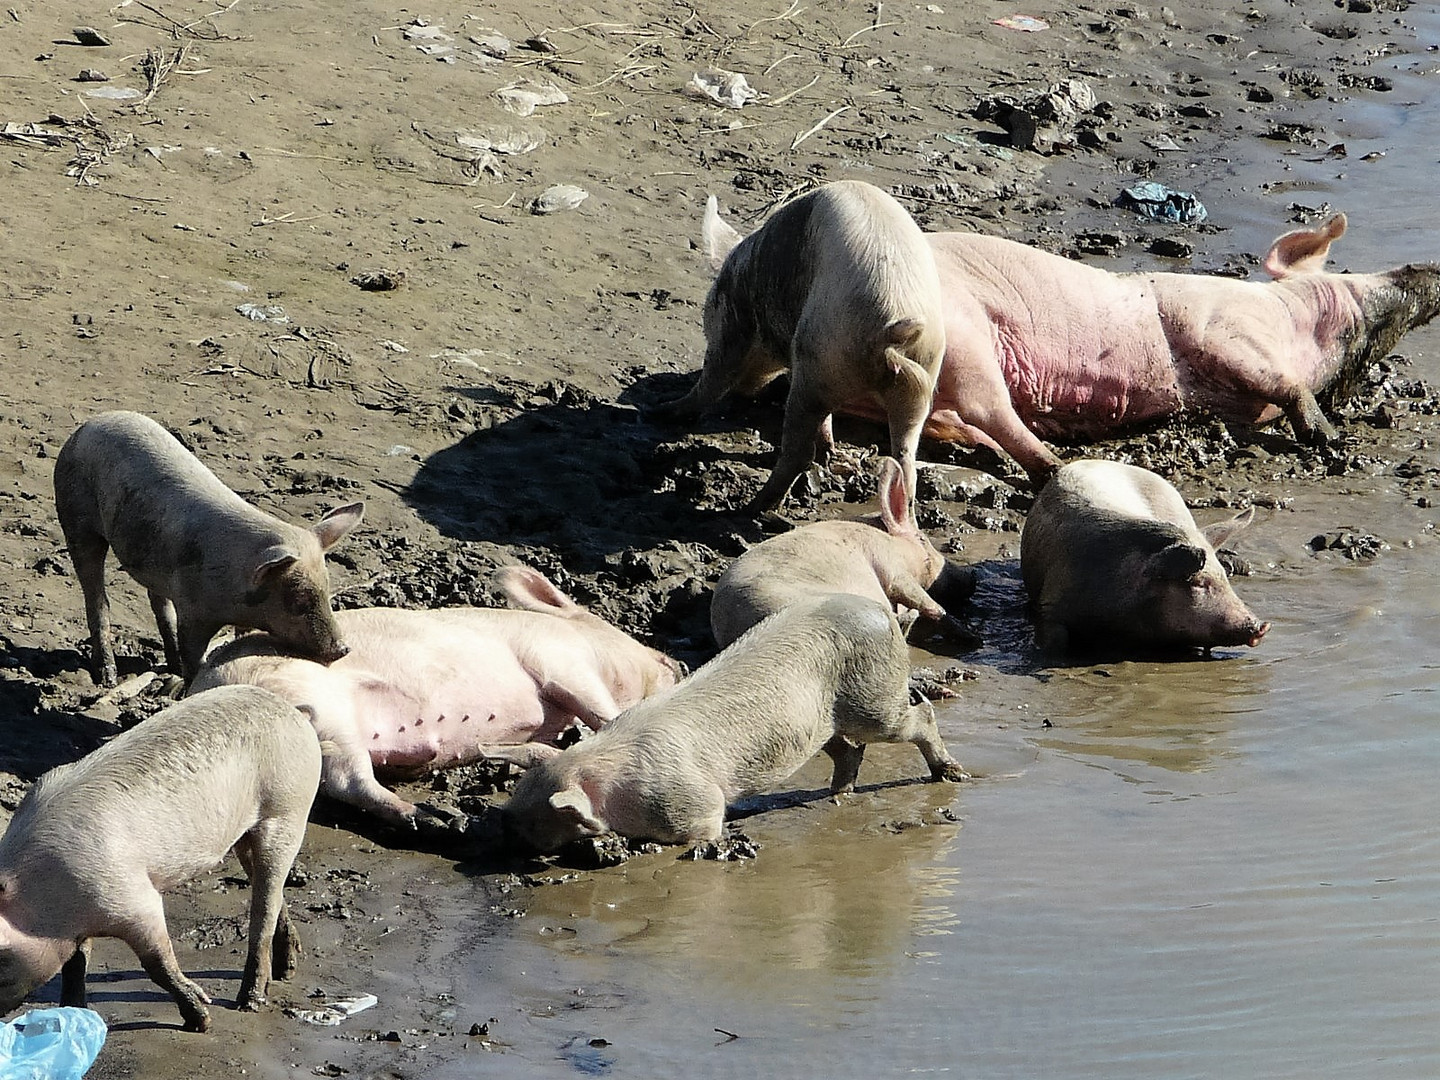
[
  {"x": 913, "y": 724},
  {"x": 88, "y": 554},
  {"x": 150, "y": 938},
  {"x": 904, "y": 589},
  {"x": 847, "y": 756},
  {"x": 165, "y": 619},
  {"x": 585, "y": 697},
  {"x": 267, "y": 852},
  {"x": 193, "y": 639},
  {"x": 1308, "y": 421},
  {"x": 347, "y": 775},
  {"x": 907, "y": 407},
  {"x": 285, "y": 952},
  {"x": 805, "y": 414},
  {"x": 72, "y": 976}
]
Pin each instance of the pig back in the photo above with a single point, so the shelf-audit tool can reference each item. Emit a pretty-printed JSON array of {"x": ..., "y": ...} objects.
[{"x": 173, "y": 794}]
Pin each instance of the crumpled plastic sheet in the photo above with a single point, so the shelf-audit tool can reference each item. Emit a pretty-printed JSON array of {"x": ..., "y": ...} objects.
[
  {"x": 51, "y": 1044},
  {"x": 1160, "y": 203}
]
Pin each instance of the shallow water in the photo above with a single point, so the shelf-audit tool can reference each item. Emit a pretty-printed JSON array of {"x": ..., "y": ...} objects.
[{"x": 1210, "y": 868}]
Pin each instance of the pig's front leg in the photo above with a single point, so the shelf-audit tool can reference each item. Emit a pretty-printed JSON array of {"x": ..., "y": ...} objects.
[
  {"x": 193, "y": 638},
  {"x": 583, "y": 696},
  {"x": 72, "y": 976},
  {"x": 165, "y": 619},
  {"x": 150, "y": 939},
  {"x": 1308, "y": 421},
  {"x": 847, "y": 757}
]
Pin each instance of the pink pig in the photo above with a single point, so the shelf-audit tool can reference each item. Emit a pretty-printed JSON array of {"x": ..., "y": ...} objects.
[
  {"x": 1039, "y": 345},
  {"x": 421, "y": 691}
]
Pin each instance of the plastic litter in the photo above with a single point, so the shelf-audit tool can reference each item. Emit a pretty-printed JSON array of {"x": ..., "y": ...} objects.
[
  {"x": 114, "y": 93},
  {"x": 268, "y": 313},
  {"x": 51, "y": 1044},
  {"x": 727, "y": 88},
  {"x": 1028, "y": 23},
  {"x": 522, "y": 101},
  {"x": 1160, "y": 203},
  {"x": 504, "y": 140},
  {"x": 334, "y": 1012},
  {"x": 559, "y": 197}
]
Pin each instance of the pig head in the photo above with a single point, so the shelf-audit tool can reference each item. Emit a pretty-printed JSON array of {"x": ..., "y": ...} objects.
[{"x": 1039, "y": 346}]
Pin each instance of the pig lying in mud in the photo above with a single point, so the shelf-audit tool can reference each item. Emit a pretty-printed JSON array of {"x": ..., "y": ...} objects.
[
  {"x": 1039, "y": 345},
  {"x": 421, "y": 691},
  {"x": 95, "y": 843},
  {"x": 206, "y": 557},
  {"x": 839, "y": 288},
  {"x": 884, "y": 556},
  {"x": 1110, "y": 554},
  {"x": 822, "y": 668}
]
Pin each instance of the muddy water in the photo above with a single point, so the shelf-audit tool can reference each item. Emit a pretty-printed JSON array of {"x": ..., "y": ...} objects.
[{"x": 1188, "y": 869}]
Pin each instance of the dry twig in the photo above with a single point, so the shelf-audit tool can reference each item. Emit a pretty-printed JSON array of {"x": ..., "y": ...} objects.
[{"x": 811, "y": 131}]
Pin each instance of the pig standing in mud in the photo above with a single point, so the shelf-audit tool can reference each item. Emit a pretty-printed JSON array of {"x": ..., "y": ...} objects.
[
  {"x": 823, "y": 667},
  {"x": 95, "y": 843},
  {"x": 206, "y": 556},
  {"x": 883, "y": 556},
  {"x": 421, "y": 691},
  {"x": 1110, "y": 553},
  {"x": 1037, "y": 344},
  {"x": 839, "y": 288}
]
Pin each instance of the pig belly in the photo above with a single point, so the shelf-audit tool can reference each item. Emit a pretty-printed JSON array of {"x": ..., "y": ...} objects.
[{"x": 452, "y": 722}]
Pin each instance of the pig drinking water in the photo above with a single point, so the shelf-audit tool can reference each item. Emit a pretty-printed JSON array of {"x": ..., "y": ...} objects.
[
  {"x": 206, "y": 557},
  {"x": 426, "y": 690},
  {"x": 884, "y": 556},
  {"x": 1041, "y": 346},
  {"x": 95, "y": 843},
  {"x": 823, "y": 667},
  {"x": 839, "y": 288},
  {"x": 1110, "y": 553}
]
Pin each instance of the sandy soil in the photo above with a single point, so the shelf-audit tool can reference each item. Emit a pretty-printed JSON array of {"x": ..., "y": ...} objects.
[{"x": 285, "y": 157}]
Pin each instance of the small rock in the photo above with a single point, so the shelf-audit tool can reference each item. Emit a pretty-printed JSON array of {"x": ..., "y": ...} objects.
[{"x": 88, "y": 35}]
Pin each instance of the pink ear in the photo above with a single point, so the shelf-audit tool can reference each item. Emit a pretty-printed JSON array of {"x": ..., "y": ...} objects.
[
  {"x": 1303, "y": 251},
  {"x": 333, "y": 527},
  {"x": 719, "y": 238},
  {"x": 272, "y": 560},
  {"x": 532, "y": 590},
  {"x": 894, "y": 499},
  {"x": 573, "y": 805}
]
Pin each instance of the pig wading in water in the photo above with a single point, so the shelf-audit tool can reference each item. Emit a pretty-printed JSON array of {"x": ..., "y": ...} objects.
[
  {"x": 207, "y": 557},
  {"x": 95, "y": 843},
  {"x": 839, "y": 288},
  {"x": 665, "y": 769},
  {"x": 1110, "y": 553},
  {"x": 1039, "y": 345},
  {"x": 421, "y": 691},
  {"x": 883, "y": 556}
]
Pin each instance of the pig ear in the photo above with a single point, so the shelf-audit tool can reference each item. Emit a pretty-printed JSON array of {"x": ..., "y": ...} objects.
[
  {"x": 1303, "y": 251},
  {"x": 1222, "y": 531},
  {"x": 8, "y": 882},
  {"x": 720, "y": 239},
  {"x": 333, "y": 527},
  {"x": 1178, "y": 562},
  {"x": 894, "y": 499},
  {"x": 532, "y": 590},
  {"x": 272, "y": 561},
  {"x": 573, "y": 805}
]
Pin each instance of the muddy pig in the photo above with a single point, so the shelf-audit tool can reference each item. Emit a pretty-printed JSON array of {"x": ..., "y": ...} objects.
[
  {"x": 1041, "y": 346},
  {"x": 95, "y": 843},
  {"x": 206, "y": 557},
  {"x": 822, "y": 668},
  {"x": 421, "y": 691},
  {"x": 1110, "y": 553},
  {"x": 884, "y": 556},
  {"x": 839, "y": 288}
]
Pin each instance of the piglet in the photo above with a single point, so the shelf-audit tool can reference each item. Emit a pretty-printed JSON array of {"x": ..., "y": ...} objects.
[
  {"x": 882, "y": 556},
  {"x": 206, "y": 557},
  {"x": 1110, "y": 553},
  {"x": 839, "y": 288},
  {"x": 95, "y": 843},
  {"x": 821, "y": 668},
  {"x": 421, "y": 691}
]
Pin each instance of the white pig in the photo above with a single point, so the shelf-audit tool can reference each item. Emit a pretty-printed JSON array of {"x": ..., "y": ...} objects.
[
  {"x": 421, "y": 691},
  {"x": 883, "y": 556},
  {"x": 207, "y": 557},
  {"x": 819, "y": 670},
  {"x": 1110, "y": 554},
  {"x": 95, "y": 843},
  {"x": 839, "y": 288}
]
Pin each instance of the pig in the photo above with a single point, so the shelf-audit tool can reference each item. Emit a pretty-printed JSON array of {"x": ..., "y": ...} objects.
[
  {"x": 95, "y": 843},
  {"x": 206, "y": 557},
  {"x": 883, "y": 556},
  {"x": 839, "y": 288},
  {"x": 820, "y": 669},
  {"x": 426, "y": 690},
  {"x": 1040, "y": 346},
  {"x": 1110, "y": 554}
]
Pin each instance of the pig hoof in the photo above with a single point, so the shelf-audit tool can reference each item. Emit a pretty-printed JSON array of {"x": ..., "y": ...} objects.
[
  {"x": 199, "y": 1021},
  {"x": 952, "y": 772}
]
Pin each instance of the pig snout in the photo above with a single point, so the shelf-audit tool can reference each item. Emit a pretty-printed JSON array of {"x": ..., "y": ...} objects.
[{"x": 1257, "y": 631}]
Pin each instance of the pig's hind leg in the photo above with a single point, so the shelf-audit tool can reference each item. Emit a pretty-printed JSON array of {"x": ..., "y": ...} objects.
[{"x": 267, "y": 852}]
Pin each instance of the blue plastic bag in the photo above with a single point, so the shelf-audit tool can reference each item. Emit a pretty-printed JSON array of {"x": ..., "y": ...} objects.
[
  {"x": 50, "y": 1044},
  {"x": 1161, "y": 203}
]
